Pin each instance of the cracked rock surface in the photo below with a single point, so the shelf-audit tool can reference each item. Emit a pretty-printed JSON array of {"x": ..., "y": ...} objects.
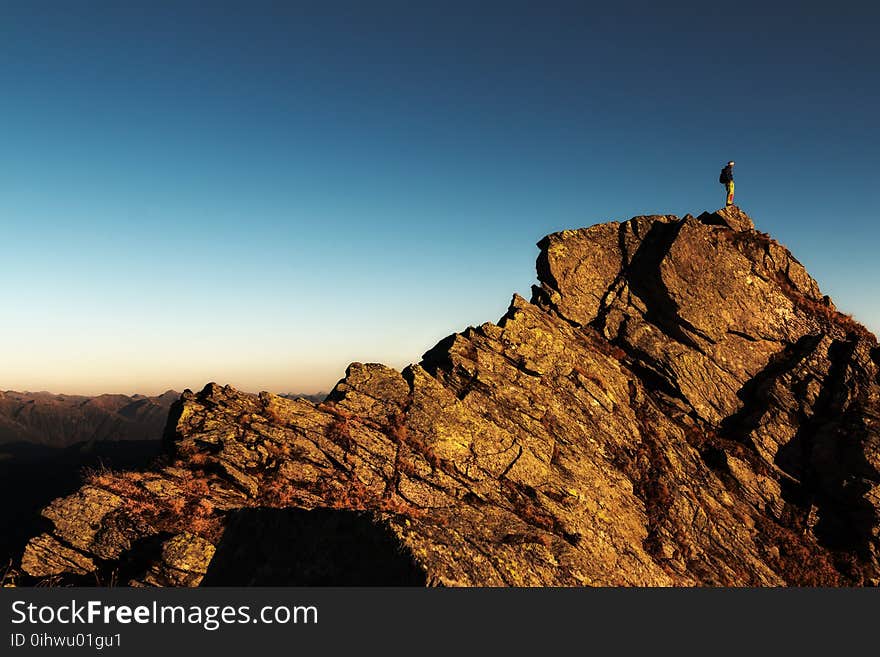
[{"x": 677, "y": 405}]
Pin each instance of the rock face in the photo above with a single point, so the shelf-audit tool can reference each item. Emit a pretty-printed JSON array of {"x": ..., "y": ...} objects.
[{"x": 677, "y": 405}]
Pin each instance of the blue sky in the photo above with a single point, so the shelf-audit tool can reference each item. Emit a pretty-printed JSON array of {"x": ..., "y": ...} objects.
[{"x": 259, "y": 193}]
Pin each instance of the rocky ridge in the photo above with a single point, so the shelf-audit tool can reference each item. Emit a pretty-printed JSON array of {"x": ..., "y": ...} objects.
[{"x": 678, "y": 404}]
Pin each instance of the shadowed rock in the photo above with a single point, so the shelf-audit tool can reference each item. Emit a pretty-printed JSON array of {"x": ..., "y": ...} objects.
[{"x": 322, "y": 547}]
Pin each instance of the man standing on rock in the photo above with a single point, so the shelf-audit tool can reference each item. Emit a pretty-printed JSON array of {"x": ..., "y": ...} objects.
[{"x": 726, "y": 179}]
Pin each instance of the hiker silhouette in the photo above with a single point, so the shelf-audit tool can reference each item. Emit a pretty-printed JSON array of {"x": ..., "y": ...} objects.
[{"x": 726, "y": 179}]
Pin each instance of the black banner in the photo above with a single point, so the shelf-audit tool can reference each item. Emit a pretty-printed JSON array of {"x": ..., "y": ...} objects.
[{"x": 407, "y": 621}]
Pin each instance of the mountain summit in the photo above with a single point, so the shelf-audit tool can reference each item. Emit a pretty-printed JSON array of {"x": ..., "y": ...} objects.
[{"x": 678, "y": 404}]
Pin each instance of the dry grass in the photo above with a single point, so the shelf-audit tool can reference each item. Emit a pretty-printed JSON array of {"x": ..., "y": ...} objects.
[
  {"x": 189, "y": 511},
  {"x": 822, "y": 311},
  {"x": 552, "y": 425},
  {"x": 536, "y": 516},
  {"x": 754, "y": 239},
  {"x": 50, "y": 582},
  {"x": 8, "y": 580},
  {"x": 350, "y": 495},
  {"x": 339, "y": 432},
  {"x": 520, "y": 539},
  {"x": 796, "y": 558},
  {"x": 277, "y": 451},
  {"x": 526, "y": 506},
  {"x": 398, "y": 432},
  {"x": 111, "y": 581},
  {"x": 272, "y": 415},
  {"x": 817, "y": 308},
  {"x": 604, "y": 346},
  {"x": 278, "y": 493},
  {"x": 649, "y": 470},
  {"x": 200, "y": 459},
  {"x": 340, "y": 428}
]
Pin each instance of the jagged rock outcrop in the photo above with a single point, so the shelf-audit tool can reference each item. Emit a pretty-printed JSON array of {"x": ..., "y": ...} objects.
[{"x": 678, "y": 404}]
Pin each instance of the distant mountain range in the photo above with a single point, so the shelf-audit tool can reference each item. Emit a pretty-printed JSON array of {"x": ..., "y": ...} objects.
[
  {"x": 317, "y": 397},
  {"x": 46, "y": 440},
  {"x": 42, "y": 418}
]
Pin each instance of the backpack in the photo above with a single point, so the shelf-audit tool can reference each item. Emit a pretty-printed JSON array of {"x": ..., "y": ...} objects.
[{"x": 723, "y": 177}]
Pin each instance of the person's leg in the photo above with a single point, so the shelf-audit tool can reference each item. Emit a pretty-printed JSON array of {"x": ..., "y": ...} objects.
[{"x": 730, "y": 193}]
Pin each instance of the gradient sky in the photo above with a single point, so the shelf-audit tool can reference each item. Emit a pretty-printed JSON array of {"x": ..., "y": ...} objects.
[{"x": 259, "y": 193}]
